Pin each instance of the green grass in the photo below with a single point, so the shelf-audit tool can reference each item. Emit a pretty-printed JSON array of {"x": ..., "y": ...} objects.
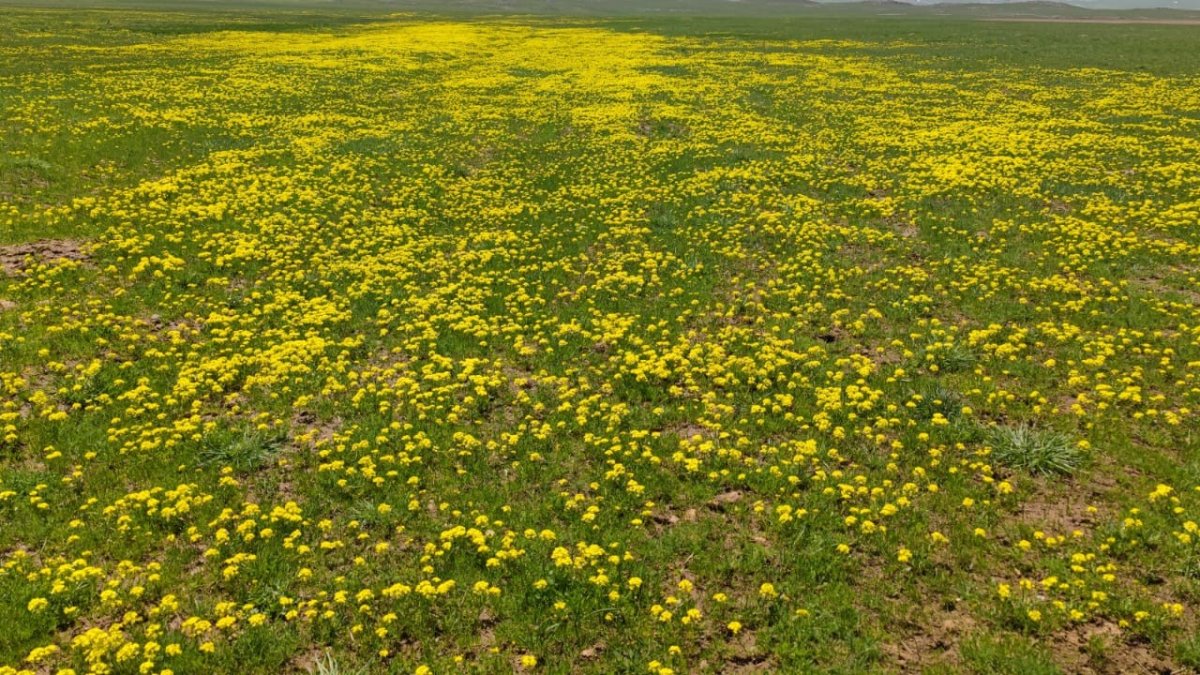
[
  {"x": 875, "y": 335},
  {"x": 1006, "y": 655},
  {"x": 1033, "y": 450}
]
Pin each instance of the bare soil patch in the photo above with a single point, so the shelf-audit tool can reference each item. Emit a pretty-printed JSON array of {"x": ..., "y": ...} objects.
[
  {"x": 1058, "y": 511},
  {"x": 14, "y": 257},
  {"x": 930, "y": 640},
  {"x": 1120, "y": 654}
]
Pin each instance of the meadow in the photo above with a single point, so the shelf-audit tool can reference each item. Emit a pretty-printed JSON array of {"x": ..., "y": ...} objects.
[{"x": 359, "y": 340}]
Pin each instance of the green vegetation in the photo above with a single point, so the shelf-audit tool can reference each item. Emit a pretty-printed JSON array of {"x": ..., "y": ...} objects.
[{"x": 362, "y": 338}]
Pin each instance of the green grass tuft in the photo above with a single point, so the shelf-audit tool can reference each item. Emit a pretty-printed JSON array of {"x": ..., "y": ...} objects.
[{"x": 1036, "y": 451}]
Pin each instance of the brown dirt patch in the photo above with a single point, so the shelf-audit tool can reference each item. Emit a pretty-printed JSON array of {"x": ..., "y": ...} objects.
[
  {"x": 687, "y": 431},
  {"x": 1060, "y": 509},
  {"x": 834, "y": 334},
  {"x": 309, "y": 430},
  {"x": 725, "y": 500},
  {"x": 1058, "y": 207},
  {"x": 667, "y": 518},
  {"x": 901, "y": 225},
  {"x": 1057, "y": 516},
  {"x": 6, "y": 305},
  {"x": 883, "y": 357},
  {"x": 930, "y": 641},
  {"x": 746, "y": 656},
  {"x": 592, "y": 652},
  {"x": 14, "y": 258},
  {"x": 308, "y": 661},
  {"x": 648, "y": 128},
  {"x": 1112, "y": 652},
  {"x": 486, "y": 638},
  {"x": 1157, "y": 286}
]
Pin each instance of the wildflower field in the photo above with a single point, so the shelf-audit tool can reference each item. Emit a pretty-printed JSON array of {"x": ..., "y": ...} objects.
[{"x": 342, "y": 342}]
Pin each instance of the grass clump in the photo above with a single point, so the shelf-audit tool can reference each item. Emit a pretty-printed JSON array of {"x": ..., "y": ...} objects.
[
  {"x": 240, "y": 449},
  {"x": 1035, "y": 450}
]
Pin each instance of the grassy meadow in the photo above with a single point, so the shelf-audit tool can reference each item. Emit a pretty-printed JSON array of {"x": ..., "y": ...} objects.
[{"x": 362, "y": 339}]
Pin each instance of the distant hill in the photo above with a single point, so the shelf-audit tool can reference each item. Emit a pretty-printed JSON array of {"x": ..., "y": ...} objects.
[
  {"x": 747, "y": 8},
  {"x": 618, "y": 7},
  {"x": 973, "y": 8},
  {"x": 1088, "y": 4},
  {"x": 1184, "y": 8},
  {"x": 1099, "y": 10}
]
